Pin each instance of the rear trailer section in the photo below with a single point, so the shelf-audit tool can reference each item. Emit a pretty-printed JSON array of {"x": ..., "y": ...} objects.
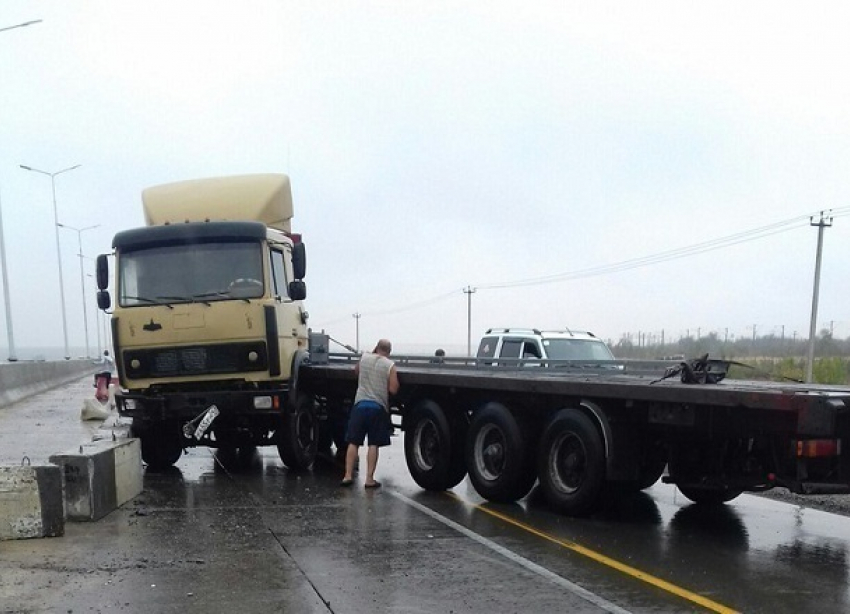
[{"x": 579, "y": 433}]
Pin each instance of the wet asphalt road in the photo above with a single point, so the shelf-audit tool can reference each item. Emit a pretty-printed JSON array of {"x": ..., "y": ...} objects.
[{"x": 243, "y": 534}]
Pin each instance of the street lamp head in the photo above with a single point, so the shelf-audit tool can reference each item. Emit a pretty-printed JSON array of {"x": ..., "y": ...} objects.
[{"x": 51, "y": 175}]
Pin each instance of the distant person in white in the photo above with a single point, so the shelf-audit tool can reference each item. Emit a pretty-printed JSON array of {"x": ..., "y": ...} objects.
[{"x": 107, "y": 362}]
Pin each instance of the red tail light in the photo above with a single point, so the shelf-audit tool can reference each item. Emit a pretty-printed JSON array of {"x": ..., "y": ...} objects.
[{"x": 814, "y": 448}]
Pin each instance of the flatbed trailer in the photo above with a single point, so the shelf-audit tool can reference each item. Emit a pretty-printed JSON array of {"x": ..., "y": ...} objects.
[{"x": 582, "y": 432}]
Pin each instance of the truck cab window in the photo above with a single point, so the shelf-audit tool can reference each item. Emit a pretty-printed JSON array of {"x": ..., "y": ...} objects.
[
  {"x": 210, "y": 271},
  {"x": 279, "y": 281}
]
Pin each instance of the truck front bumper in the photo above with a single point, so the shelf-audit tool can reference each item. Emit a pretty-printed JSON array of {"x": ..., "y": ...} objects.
[{"x": 188, "y": 405}]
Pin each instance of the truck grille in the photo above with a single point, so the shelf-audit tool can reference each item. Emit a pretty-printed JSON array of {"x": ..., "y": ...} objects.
[{"x": 196, "y": 360}]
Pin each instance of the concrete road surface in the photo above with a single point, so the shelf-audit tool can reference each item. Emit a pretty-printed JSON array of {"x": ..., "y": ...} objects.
[{"x": 241, "y": 533}]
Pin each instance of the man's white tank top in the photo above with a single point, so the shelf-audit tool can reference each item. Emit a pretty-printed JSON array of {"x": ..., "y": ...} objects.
[{"x": 373, "y": 380}]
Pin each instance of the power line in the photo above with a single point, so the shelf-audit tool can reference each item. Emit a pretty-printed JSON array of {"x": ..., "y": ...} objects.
[
  {"x": 617, "y": 267},
  {"x": 665, "y": 256}
]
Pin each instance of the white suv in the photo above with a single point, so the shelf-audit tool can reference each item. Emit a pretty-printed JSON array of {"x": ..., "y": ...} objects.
[{"x": 529, "y": 343}]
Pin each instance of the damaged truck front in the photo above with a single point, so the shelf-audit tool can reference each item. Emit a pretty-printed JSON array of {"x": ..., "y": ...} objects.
[{"x": 208, "y": 325}]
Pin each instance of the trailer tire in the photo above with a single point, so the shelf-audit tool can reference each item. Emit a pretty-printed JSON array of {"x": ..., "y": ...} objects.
[
  {"x": 161, "y": 443},
  {"x": 498, "y": 455},
  {"x": 571, "y": 463},
  {"x": 299, "y": 435},
  {"x": 433, "y": 447},
  {"x": 688, "y": 469},
  {"x": 709, "y": 496},
  {"x": 653, "y": 462}
]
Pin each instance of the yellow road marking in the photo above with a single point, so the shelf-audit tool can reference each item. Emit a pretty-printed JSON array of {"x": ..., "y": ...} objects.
[{"x": 609, "y": 562}]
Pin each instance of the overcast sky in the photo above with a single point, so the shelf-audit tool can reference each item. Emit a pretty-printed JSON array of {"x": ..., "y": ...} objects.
[{"x": 435, "y": 146}]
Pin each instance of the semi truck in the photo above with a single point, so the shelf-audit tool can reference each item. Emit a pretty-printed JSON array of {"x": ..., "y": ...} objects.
[
  {"x": 583, "y": 429},
  {"x": 212, "y": 349},
  {"x": 208, "y": 323}
]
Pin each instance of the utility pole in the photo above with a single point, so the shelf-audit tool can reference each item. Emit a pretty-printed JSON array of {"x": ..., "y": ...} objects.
[
  {"x": 356, "y": 317},
  {"x": 822, "y": 223},
  {"x": 469, "y": 291}
]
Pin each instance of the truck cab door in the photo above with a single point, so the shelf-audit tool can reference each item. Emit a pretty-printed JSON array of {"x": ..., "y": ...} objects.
[{"x": 289, "y": 312}]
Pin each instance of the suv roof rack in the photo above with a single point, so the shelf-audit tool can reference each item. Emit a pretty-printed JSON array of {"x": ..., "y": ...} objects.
[
  {"x": 532, "y": 331},
  {"x": 535, "y": 331}
]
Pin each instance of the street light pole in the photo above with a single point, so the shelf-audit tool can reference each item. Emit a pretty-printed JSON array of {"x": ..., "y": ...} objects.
[
  {"x": 97, "y": 325},
  {"x": 80, "y": 232},
  {"x": 8, "y": 300},
  {"x": 58, "y": 250},
  {"x": 356, "y": 317},
  {"x": 469, "y": 291}
]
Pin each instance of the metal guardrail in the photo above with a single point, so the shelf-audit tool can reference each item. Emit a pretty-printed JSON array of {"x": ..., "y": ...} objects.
[{"x": 627, "y": 366}]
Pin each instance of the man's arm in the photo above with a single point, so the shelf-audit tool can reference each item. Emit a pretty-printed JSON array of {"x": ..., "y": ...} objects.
[{"x": 392, "y": 381}]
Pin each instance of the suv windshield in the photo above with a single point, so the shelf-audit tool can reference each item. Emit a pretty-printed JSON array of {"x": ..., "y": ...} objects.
[
  {"x": 577, "y": 349},
  {"x": 200, "y": 272}
]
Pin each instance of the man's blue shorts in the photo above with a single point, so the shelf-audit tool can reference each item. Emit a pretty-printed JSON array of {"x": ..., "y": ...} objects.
[{"x": 368, "y": 418}]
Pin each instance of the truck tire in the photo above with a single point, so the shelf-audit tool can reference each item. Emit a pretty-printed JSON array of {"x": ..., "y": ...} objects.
[
  {"x": 160, "y": 442},
  {"x": 298, "y": 441},
  {"x": 571, "y": 463},
  {"x": 498, "y": 455},
  {"x": 652, "y": 464},
  {"x": 709, "y": 496},
  {"x": 433, "y": 447},
  {"x": 688, "y": 468}
]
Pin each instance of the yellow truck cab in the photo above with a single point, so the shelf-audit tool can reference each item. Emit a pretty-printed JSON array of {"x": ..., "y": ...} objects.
[{"x": 208, "y": 323}]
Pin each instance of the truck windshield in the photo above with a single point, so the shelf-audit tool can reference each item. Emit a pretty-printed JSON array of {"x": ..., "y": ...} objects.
[
  {"x": 577, "y": 349},
  {"x": 200, "y": 272}
]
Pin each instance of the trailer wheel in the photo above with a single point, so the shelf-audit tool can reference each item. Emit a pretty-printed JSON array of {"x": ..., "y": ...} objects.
[
  {"x": 299, "y": 437},
  {"x": 697, "y": 471},
  {"x": 498, "y": 458},
  {"x": 571, "y": 463},
  {"x": 160, "y": 442},
  {"x": 433, "y": 447},
  {"x": 709, "y": 496},
  {"x": 652, "y": 464}
]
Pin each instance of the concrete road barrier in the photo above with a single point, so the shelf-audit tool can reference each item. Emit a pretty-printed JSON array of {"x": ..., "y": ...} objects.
[
  {"x": 99, "y": 477},
  {"x": 31, "y": 502},
  {"x": 19, "y": 380}
]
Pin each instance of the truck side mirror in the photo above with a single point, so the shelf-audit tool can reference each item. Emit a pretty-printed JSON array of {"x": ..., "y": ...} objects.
[
  {"x": 299, "y": 260},
  {"x": 297, "y": 290},
  {"x": 103, "y": 300},
  {"x": 102, "y": 272}
]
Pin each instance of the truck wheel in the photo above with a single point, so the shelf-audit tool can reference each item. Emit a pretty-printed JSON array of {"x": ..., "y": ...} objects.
[
  {"x": 497, "y": 455},
  {"x": 689, "y": 470},
  {"x": 298, "y": 442},
  {"x": 571, "y": 463},
  {"x": 161, "y": 444},
  {"x": 652, "y": 464},
  {"x": 709, "y": 496},
  {"x": 433, "y": 450}
]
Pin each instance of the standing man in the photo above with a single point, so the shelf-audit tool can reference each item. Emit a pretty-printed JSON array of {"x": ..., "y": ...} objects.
[{"x": 376, "y": 381}]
